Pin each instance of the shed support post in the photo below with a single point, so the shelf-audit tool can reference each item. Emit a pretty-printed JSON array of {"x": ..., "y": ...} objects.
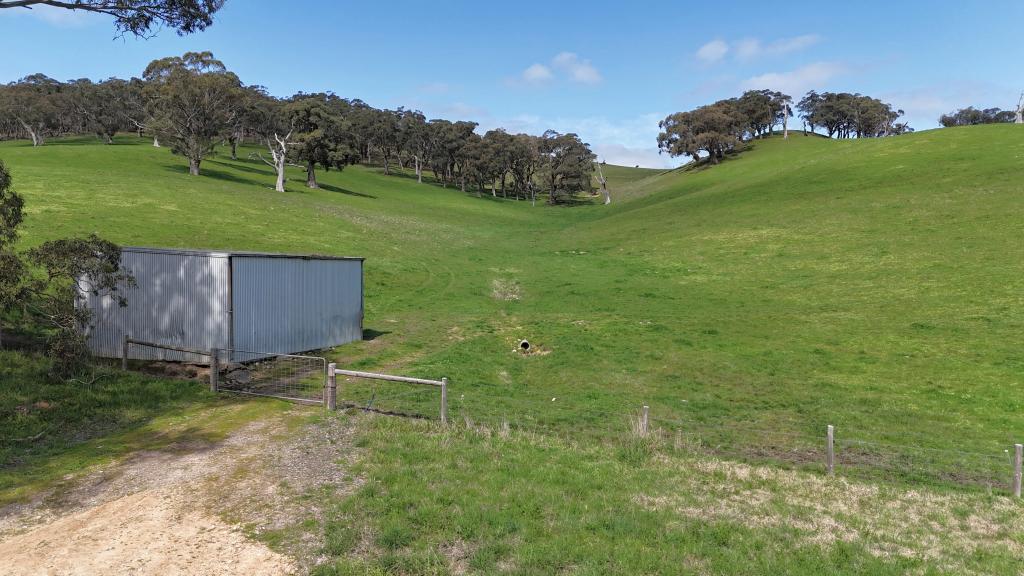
[
  {"x": 444, "y": 400},
  {"x": 214, "y": 370},
  {"x": 332, "y": 387},
  {"x": 124, "y": 354}
]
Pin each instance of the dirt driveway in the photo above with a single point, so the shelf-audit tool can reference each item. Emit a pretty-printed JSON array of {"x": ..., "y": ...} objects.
[{"x": 187, "y": 509}]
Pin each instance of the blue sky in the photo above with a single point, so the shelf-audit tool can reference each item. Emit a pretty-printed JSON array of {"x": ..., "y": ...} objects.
[{"x": 608, "y": 71}]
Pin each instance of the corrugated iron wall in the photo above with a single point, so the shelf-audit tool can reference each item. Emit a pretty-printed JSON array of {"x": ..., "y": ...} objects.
[
  {"x": 181, "y": 299},
  {"x": 295, "y": 304}
]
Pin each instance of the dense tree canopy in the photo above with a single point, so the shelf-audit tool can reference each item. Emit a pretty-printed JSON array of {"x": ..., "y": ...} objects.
[
  {"x": 970, "y": 116},
  {"x": 846, "y": 115},
  {"x": 138, "y": 17},
  {"x": 714, "y": 130},
  {"x": 193, "y": 103},
  {"x": 711, "y": 131}
]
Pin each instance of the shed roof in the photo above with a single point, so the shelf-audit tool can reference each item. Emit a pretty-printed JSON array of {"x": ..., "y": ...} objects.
[{"x": 229, "y": 253}]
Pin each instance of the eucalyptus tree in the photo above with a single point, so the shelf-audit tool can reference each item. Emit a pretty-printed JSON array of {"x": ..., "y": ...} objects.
[
  {"x": 526, "y": 159},
  {"x": 34, "y": 103},
  {"x": 138, "y": 17},
  {"x": 194, "y": 102},
  {"x": 383, "y": 131},
  {"x": 808, "y": 108},
  {"x": 11, "y": 267},
  {"x": 101, "y": 106},
  {"x": 971, "y": 116},
  {"x": 269, "y": 121},
  {"x": 712, "y": 130},
  {"x": 501, "y": 146},
  {"x": 449, "y": 139},
  {"x": 418, "y": 138},
  {"x": 321, "y": 133},
  {"x": 567, "y": 164},
  {"x": 133, "y": 104}
]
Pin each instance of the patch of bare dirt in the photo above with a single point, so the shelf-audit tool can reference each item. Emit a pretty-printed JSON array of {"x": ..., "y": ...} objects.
[
  {"x": 148, "y": 532},
  {"x": 187, "y": 509}
]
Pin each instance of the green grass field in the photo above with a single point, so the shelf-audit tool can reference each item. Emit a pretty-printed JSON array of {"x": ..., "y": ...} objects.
[{"x": 874, "y": 285}]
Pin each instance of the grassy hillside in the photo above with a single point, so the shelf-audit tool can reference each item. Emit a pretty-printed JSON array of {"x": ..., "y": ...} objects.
[
  {"x": 874, "y": 285},
  {"x": 860, "y": 283},
  {"x": 622, "y": 177}
]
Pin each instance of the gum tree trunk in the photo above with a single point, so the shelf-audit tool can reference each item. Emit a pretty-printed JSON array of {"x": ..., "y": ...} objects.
[
  {"x": 311, "y": 175},
  {"x": 193, "y": 166}
]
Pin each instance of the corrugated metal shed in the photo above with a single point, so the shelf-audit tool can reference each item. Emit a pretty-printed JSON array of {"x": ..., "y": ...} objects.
[{"x": 251, "y": 301}]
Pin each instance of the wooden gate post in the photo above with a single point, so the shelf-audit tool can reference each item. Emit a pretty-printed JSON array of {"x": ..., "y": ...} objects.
[
  {"x": 124, "y": 354},
  {"x": 830, "y": 455},
  {"x": 332, "y": 387},
  {"x": 444, "y": 400},
  {"x": 1018, "y": 457},
  {"x": 644, "y": 413},
  {"x": 214, "y": 370}
]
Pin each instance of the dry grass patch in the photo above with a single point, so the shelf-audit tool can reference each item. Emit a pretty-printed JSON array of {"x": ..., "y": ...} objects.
[{"x": 941, "y": 528}]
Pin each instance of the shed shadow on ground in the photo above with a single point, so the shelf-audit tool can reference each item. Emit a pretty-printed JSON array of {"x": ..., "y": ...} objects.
[{"x": 371, "y": 334}]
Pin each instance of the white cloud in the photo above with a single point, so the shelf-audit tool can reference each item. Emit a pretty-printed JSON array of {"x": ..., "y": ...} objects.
[
  {"x": 581, "y": 71},
  {"x": 794, "y": 44},
  {"x": 537, "y": 74},
  {"x": 798, "y": 81},
  {"x": 712, "y": 51},
  {"x": 749, "y": 49},
  {"x": 568, "y": 65}
]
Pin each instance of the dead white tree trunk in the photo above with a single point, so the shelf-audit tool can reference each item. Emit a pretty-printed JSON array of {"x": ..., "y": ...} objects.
[
  {"x": 419, "y": 169},
  {"x": 156, "y": 141},
  {"x": 604, "y": 185},
  {"x": 278, "y": 158},
  {"x": 1020, "y": 110},
  {"x": 37, "y": 138},
  {"x": 785, "y": 121}
]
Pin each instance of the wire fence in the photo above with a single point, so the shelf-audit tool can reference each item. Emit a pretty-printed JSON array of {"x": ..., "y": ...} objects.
[
  {"x": 387, "y": 397},
  {"x": 287, "y": 376},
  {"x": 790, "y": 443},
  {"x": 852, "y": 451}
]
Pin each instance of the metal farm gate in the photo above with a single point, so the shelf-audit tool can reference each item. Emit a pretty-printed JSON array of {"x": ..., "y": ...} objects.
[
  {"x": 292, "y": 377},
  {"x": 288, "y": 376}
]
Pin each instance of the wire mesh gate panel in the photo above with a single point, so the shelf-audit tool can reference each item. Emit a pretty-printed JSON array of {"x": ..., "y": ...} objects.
[{"x": 288, "y": 376}]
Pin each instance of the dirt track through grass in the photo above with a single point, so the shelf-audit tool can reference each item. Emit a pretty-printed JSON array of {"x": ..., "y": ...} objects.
[{"x": 190, "y": 508}]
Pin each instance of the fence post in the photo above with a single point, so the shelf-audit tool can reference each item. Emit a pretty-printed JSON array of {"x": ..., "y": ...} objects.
[
  {"x": 444, "y": 400},
  {"x": 332, "y": 387},
  {"x": 124, "y": 354},
  {"x": 644, "y": 413},
  {"x": 214, "y": 370},
  {"x": 830, "y": 456},
  {"x": 1018, "y": 457}
]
